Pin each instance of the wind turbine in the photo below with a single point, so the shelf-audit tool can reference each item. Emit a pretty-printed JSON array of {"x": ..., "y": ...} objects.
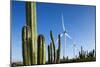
[
  {"x": 75, "y": 48},
  {"x": 65, "y": 34}
]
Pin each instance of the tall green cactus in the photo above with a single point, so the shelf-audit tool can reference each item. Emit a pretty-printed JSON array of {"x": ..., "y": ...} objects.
[
  {"x": 31, "y": 22},
  {"x": 58, "y": 50},
  {"x": 49, "y": 55},
  {"x": 41, "y": 50},
  {"x": 26, "y": 45},
  {"x": 54, "y": 49},
  {"x": 55, "y": 52}
]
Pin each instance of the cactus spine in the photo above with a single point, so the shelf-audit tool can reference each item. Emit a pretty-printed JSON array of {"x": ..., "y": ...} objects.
[
  {"x": 31, "y": 22},
  {"x": 26, "y": 45},
  {"x": 41, "y": 50}
]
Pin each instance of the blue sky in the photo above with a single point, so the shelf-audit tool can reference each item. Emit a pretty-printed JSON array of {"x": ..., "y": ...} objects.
[{"x": 79, "y": 22}]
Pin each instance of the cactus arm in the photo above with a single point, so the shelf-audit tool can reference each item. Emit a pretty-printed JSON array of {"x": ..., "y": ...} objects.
[
  {"x": 26, "y": 45},
  {"x": 41, "y": 50},
  {"x": 49, "y": 55},
  {"x": 51, "y": 35},
  {"x": 59, "y": 48},
  {"x": 51, "y": 52}
]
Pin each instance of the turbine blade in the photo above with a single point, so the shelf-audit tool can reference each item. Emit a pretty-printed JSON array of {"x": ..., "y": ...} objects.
[
  {"x": 61, "y": 34},
  {"x": 63, "y": 22},
  {"x": 68, "y": 36}
]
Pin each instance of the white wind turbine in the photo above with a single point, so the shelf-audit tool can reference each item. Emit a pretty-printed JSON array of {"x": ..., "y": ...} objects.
[
  {"x": 65, "y": 34},
  {"x": 75, "y": 48}
]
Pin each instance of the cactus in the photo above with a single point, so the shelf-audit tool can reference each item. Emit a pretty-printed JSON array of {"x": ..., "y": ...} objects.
[
  {"x": 31, "y": 22},
  {"x": 51, "y": 35},
  {"x": 58, "y": 50},
  {"x": 41, "y": 50},
  {"x": 49, "y": 55},
  {"x": 39, "y": 55},
  {"x": 26, "y": 45}
]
